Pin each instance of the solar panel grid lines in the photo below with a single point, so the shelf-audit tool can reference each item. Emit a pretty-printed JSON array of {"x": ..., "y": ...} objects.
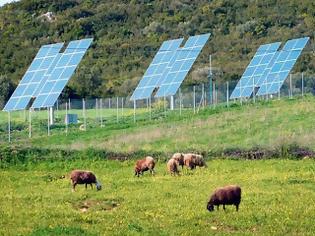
[
  {"x": 251, "y": 78},
  {"x": 283, "y": 64},
  {"x": 183, "y": 61},
  {"x": 33, "y": 77},
  {"x": 64, "y": 68},
  {"x": 161, "y": 62}
]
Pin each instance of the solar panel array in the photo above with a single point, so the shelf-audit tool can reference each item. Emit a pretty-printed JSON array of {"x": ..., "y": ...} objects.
[
  {"x": 282, "y": 66},
  {"x": 61, "y": 73},
  {"x": 169, "y": 67},
  {"x": 256, "y": 68},
  {"x": 269, "y": 68},
  {"x": 181, "y": 64},
  {"x": 153, "y": 75},
  {"x": 34, "y": 77}
]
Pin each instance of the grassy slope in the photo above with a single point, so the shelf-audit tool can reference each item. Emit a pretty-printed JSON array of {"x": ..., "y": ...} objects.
[
  {"x": 268, "y": 124},
  {"x": 278, "y": 198}
]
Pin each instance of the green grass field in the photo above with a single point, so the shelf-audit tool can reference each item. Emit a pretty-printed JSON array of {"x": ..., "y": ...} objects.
[
  {"x": 278, "y": 194},
  {"x": 278, "y": 199},
  {"x": 265, "y": 124}
]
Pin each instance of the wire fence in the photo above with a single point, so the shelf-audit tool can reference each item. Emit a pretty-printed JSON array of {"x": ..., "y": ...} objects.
[{"x": 83, "y": 114}]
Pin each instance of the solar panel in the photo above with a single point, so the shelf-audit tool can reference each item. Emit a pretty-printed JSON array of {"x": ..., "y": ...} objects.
[
  {"x": 64, "y": 68},
  {"x": 256, "y": 68},
  {"x": 33, "y": 78},
  {"x": 153, "y": 75},
  {"x": 181, "y": 64},
  {"x": 282, "y": 66}
]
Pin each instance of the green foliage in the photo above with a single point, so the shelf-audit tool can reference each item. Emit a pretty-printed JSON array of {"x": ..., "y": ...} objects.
[
  {"x": 6, "y": 89},
  {"x": 128, "y": 33}
]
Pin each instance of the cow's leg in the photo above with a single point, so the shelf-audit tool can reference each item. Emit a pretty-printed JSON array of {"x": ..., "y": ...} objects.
[
  {"x": 218, "y": 207},
  {"x": 91, "y": 186},
  {"x": 85, "y": 186},
  {"x": 223, "y": 207},
  {"x": 236, "y": 207}
]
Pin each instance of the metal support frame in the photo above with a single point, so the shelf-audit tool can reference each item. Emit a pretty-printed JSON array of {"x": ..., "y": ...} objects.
[
  {"x": 69, "y": 104},
  {"x": 164, "y": 106},
  {"x": 210, "y": 81},
  {"x": 180, "y": 102},
  {"x": 194, "y": 99},
  {"x": 134, "y": 111},
  {"x": 227, "y": 93},
  {"x": 150, "y": 108},
  {"x": 51, "y": 114},
  {"x": 172, "y": 103},
  {"x": 302, "y": 84},
  {"x": 84, "y": 114},
  {"x": 279, "y": 94},
  {"x": 96, "y": 110},
  {"x": 30, "y": 123},
  {"x": 67, "y": 119},
  {"x": 117, "y": 107},
  {"x": 48, "y": 122},
  {"x": 101, "y": 111},
  {"x": 214, "y": 94},
  {"x": 203, "y": 95},
  {"x": 290, "y": 95},
  {"x": 122, "y": 108},
  {"x": 9, "y": 126}
]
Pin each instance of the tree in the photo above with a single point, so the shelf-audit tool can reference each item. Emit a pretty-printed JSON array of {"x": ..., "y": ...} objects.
[{"x": 6, "y": 89}]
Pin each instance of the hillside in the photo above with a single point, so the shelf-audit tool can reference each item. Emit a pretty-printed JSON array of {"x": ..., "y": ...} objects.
[{"x": 128, "y": 33}]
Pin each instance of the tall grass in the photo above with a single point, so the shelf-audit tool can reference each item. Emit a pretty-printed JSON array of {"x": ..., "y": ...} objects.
[{"x": 267, "y": 125}]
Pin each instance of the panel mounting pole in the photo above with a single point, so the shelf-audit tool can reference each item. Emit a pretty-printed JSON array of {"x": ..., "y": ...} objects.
[
  {"x": 67, "y": 119},
  {"x": 84, "y": 115},
  {"x": 9, "y": 126},
  {"x": 117, "y": 107},
  {"x": 302, "y": 84},
  {"x": 227, "y": 94},
  {"x": 30, "y": 123},
  {"x": 214, "y": 94},
  {"x": 51, "y": 113},
  {"x": 150, "y": 108},
  {"x": 194, "y": 99},
  {"x": 122, "y": 108},
  {"x": 172, "y": 103},
  {"x": 101, "y": 111},
  {"x": 290, "y": 85},
  {"x": 134, "y": 111},
  {"x": 69, "y": 104},
  {"x": 203, "y": 95},
  {"x": 210, "y": 81},
  {"x": 180, "y": 101},
  {"x": 96, "y": 110},
  {"x": 48, "y": 122},
  {"x": 57, "y": 107},
  {"x": 164, "y": 106},
  {"x": 279, "y": 94}
]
